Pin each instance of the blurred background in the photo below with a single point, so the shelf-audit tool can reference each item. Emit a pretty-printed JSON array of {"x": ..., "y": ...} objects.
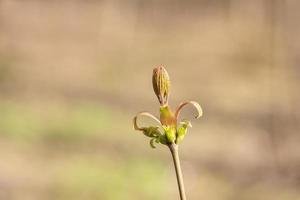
[{"x": 74, "y": 73}]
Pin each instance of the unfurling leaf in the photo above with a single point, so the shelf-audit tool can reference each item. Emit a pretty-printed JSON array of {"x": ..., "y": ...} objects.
[
  {"x": 135, "y": 125},
  {"x": 170, "y": 132},
  {"x": 193, "y": 103},
  {"x": 182, "y": 130},
  {"x": 152, "y": 143},
  {"x": 151, "y": 131}
]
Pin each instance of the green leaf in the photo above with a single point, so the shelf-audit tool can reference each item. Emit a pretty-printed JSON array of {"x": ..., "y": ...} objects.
[
  {"x": 151, "y": 131},
  {"x": 170, "y": 132},
  {"x": 182, "y": 130},
  {"x": 152, "y": 143},
  {"x": 162, "y": 139}
]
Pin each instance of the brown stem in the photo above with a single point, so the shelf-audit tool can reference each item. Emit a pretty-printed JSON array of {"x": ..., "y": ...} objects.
[{"x": 174, "y": 151}]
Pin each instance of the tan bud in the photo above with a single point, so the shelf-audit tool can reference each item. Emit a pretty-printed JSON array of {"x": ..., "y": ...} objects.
[{"x": 161, "y": 85}]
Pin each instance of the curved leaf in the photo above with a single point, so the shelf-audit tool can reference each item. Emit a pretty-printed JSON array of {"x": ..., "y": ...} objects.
[
  {"x": 193, "y": 103},
  {"x": 147, "y": 114},
  {"x": 152, "y": 143},
  {"x": 151, "y": 131}
]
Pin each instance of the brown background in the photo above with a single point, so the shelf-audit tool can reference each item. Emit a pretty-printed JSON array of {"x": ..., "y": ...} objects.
[{"x": 74, "y": 73}]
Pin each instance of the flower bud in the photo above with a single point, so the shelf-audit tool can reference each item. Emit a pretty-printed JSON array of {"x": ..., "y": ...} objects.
[{"x": 161, "y": 84}]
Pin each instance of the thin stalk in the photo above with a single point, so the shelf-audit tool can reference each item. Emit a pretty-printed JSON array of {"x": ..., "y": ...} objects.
[{"x": 174, "y": 151}]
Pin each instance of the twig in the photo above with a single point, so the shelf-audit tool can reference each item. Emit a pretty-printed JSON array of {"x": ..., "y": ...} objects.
[{"x": 174, "y": 151}]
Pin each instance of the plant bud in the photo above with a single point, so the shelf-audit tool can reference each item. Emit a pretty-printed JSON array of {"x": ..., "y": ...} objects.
[
  {"x": 166, "y": 116},
  {"x": 161, "y": 85},
  {"x": 170, "y": 132}
]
